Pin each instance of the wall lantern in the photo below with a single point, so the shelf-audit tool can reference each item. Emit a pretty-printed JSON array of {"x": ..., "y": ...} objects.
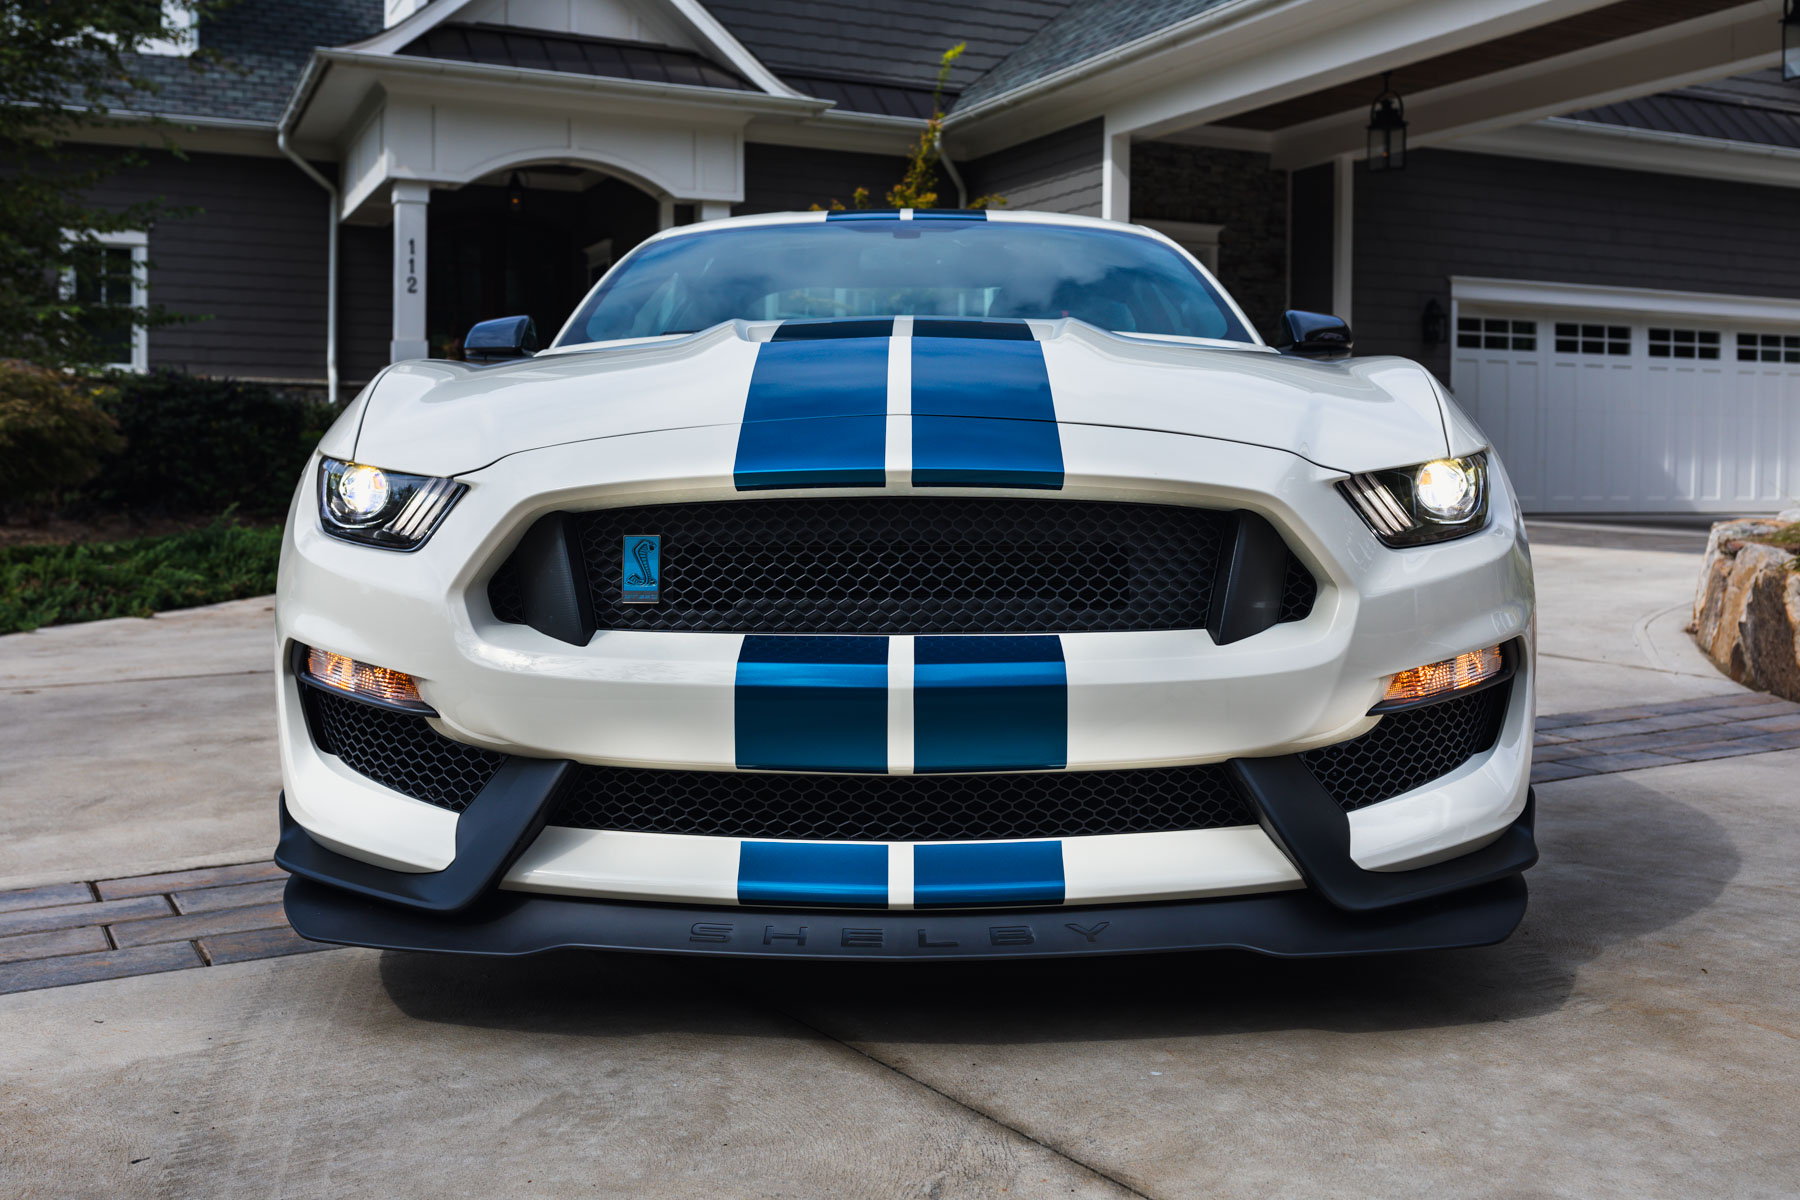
[
  {"x": 515, "y": 194},
  {"x": 1790, "y": 41},
  {"x": 1434, "y": 323},
  {"x": 1387, "y": 128}
]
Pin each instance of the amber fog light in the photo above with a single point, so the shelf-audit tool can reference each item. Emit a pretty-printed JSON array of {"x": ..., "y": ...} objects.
[
  {"x": 365, "y": 681},
  {"x": 1438, "y": 680}
]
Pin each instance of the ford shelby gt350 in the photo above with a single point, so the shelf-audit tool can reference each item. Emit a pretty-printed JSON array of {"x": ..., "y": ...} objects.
[{"x": 906, "y": 585}]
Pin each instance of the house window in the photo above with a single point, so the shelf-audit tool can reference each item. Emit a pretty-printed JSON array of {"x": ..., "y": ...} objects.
[
  {"x": 1768, "y": 347},
  {"x": 1684, "y": 343},
  {"x": 113, "y": 272},
  {"x": 1495, "y": 333},
  {"x": 1593, "y": 339}
]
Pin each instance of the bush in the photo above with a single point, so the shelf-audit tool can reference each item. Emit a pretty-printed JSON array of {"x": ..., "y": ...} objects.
[
  {"x": 55, "y": 585},
  {"x": 53, "y": 432},
  {"x": 204, "y": 445}
]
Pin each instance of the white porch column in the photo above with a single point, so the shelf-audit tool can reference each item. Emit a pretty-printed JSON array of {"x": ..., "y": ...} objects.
[
  {"x": 409, "y": 200},
  {"x": 1115, "y": 176},
  {"x": 665, "y": 212},
  {"x": 714, "y": 210},
  {"x": 1343, "y": 231}
]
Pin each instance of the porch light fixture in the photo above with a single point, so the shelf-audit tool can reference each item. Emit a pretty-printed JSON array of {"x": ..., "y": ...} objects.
[
  {"x": 1387, "y": 128},
  {"x": 1434, "y": 323},
  {"x": 1790, "y": 41},
  {"x": 515, "y": 194}
]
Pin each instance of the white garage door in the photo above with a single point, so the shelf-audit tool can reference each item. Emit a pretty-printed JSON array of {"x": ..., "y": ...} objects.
[{"x": 1620, "y": 411}]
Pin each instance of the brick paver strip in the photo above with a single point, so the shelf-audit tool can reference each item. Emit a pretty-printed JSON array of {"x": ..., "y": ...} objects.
[
  {"x": 44, "y": 897},
  {"x": 256, "y": 943},
  {"x": 86, "y": 968},
  {"x": 53, "y": 942},
  {"x": 236, "y": 896},
  {"x": 31, "y": 920},
  {"x": 182, "y": 881},
  {"x": 186, "y": 929}
]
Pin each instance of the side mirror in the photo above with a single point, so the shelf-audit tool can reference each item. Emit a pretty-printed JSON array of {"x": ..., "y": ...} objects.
[
  {"x": 501, "y": 339},
  {"x": 1316, "y": 335}
]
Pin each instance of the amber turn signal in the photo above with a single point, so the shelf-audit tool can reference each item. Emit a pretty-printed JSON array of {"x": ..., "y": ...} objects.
[
  {"x": 1440, "y": 678},
  {"x": 362, "y": 679}
]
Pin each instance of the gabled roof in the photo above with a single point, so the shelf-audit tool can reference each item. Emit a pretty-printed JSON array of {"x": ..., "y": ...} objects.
[
  {"x": 1757, "y": 108},
  {"x": 534, "y": 49}
]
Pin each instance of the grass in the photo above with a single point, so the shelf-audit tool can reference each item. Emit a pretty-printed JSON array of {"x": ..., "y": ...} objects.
[{"x": 59, "y": 585}]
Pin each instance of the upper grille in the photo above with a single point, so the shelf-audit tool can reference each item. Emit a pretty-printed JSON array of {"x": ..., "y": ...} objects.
[
  {"x": 1410, "y": 749},
  {"x": 902, "y": 808},
  {"x": 400, "y": 751},
  {"x": 909, "y": 565}
]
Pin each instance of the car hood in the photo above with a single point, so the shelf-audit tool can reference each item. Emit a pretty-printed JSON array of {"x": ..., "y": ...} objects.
[{"x": 447, "y": 418}]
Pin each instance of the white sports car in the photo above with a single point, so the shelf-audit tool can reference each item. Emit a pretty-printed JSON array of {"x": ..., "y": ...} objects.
[{"x": 906, "y": 585}]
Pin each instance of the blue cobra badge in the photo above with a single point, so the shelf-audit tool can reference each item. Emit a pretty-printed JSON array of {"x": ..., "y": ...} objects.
[{"x": 642, "y": 568}]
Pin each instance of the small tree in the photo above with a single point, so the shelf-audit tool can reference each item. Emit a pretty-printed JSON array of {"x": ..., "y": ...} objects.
[
  {"x": 918, "y": 185},
  {"x": 65, "y": 64}
]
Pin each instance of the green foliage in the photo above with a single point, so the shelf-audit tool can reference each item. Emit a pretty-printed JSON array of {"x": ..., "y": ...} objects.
[
  {"x": 919, "y": 182},
  {"x": 56, "y": 585},
  {"x": 203, "y": 445},
  {"x": 53, "y": 432},
  {"x": 64, "y": 65}
]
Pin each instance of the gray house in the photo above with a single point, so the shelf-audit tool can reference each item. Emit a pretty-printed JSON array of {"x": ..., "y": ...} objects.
[{"x": 1592, "y": 239}]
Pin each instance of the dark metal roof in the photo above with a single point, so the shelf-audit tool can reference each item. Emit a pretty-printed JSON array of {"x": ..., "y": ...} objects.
[
  {"x": 537, "y": 50},
  {"x": 870, "y": 96},
  {"x": 263, "y": 47},
  {"x": 1755, "y": 108},
  {"x": 1085, "y": 29},
  {"x": 897, "y": 42}
]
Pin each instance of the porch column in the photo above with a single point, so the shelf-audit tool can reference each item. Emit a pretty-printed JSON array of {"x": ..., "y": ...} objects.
[
  {"x": 409, "y": 200},
  {"x": 714, "y": 210},
  {"x": 1343, "y": 232},
  {"x": 1115, "y": 176}
]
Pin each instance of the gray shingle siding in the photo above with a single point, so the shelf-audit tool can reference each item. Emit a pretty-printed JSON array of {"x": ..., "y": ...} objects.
[
  {"x": 1059, "y": 172},
  {"x": 1455, "y": 213},
  {"x": 900, "y": 41},
  {"x": 251, "y": 264},
  {"x": 792, "y": 179}
]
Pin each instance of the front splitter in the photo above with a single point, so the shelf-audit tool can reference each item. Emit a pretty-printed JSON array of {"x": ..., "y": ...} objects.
[{"x": 1293, "y": 924}]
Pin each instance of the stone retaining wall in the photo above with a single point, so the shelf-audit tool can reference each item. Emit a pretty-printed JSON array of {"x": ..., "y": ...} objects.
[{"x": 1747, "y": 607}]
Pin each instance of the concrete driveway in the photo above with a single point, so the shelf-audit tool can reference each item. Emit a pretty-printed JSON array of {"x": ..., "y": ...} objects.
[{"x": 1638, "y": 1037}]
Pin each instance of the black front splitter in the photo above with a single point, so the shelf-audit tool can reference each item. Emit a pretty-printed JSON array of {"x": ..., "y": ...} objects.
[{"x": 1293, "y": 924}]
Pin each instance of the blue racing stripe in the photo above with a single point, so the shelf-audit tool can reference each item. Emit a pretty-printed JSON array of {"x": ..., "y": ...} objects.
[
  {"x": 989, "y": 704},
  {"x": 812, "y": 703},
  {"x": 816, "y": 415},
  {"x": 983, "y": 415},
  {"x": 863, "y": 214},
  {"x": 802, "y": 873},
  {"x": 988, "y": 873},
  {"x": 949, "y": 214}
]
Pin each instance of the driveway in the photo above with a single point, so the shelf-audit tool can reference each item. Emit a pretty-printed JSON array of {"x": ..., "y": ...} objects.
[{"x": 1637, "y": 1037}]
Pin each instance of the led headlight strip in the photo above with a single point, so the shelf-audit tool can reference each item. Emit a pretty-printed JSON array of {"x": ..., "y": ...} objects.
[
  {"x": 361, "y": 503},
  {"x": 1433, "y": 502}
]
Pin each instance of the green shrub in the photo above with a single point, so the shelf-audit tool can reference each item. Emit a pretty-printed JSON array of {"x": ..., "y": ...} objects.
[
  {"x": 53, "y": 432},
  {"x": 198, "y": 445},
  {"x": 57, "y": 585}
]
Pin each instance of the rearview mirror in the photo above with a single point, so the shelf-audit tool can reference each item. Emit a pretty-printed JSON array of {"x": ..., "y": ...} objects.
[
  {"x": 501, "y": 339},
  {"x": 1316, "y": 335}
]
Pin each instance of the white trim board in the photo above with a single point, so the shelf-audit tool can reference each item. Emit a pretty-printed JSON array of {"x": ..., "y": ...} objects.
[
  {"x": 1563, "y": 139},
  {"x": 1653, "y": 302}
]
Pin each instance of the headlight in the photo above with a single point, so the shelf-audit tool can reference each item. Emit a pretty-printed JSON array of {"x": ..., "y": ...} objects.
[
  {"x": 360, "y": 503},
  {"x": 1432, "y": 502}
]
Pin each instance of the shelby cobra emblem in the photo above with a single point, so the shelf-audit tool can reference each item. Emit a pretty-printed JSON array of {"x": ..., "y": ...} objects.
[{"x": 642, "y": 567}]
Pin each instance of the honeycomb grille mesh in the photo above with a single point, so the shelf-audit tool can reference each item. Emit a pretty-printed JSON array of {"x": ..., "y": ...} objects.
[
  {"x": 1410, "y": 749},
  {"x": 903, "y": 808},
  {"x": 400, "y": 751},
  {"x": 920, "y": 565}
]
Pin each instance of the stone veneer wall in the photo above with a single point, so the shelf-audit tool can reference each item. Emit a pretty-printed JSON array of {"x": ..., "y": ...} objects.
[{"x": 1234, "y": 188}]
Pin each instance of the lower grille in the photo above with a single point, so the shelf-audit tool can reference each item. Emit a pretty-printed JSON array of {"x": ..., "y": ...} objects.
[
  {"x": 1410, "y": 749},
  {"x": 1404, "y": 751},
  {"x": 902, "y": 808}
]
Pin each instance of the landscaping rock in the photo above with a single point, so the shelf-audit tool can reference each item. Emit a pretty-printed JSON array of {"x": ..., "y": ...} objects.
[{"x": 1747, "y": 608}]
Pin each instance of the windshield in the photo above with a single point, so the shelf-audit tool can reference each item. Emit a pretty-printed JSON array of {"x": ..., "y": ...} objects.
[{"x": 879, "y": 268}]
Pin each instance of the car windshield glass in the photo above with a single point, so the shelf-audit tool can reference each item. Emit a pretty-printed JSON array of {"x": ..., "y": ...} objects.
[{"x": 878, "y": 268}]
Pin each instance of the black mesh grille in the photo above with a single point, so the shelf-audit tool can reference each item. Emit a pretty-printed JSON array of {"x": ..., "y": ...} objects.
[
  {"x": 1409, "y": 749},
  {"x": 903, "y": 808},
  {"x": 899, "y": 565},
  {"x": 400, "y": 751}
]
